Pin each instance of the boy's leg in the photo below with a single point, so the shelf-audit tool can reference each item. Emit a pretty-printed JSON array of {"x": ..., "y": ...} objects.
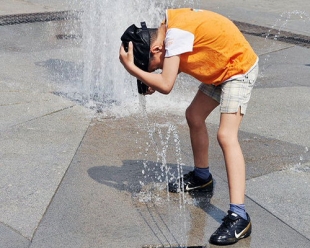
[
  {"x": 234, "y": 226},
  {"x": 234, "y": 99},
  {"x": 196, "y": 114},
  {"x": 200, "y": 179},
  {"x": 234, "y": 160}
]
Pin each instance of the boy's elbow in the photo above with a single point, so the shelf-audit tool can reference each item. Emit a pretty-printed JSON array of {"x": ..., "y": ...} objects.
[{"x": 165, "y": 90}]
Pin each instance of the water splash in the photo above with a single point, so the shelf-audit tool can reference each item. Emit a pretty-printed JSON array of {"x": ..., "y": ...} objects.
[
  {"x": 279, "y": 32},
  {"x": 105, "y": 85},
  {"x": 163, "y": 138},
  {"x": 303, "y": 164},
  {"x": 288, "y": 17}
]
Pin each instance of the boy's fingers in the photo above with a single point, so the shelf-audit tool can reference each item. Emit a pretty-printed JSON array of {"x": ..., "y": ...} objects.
[
  {"x": 130, "y": 47},
  {"x": 121, "y": 51},
  {"x": 126, "y": 57},
  {"x": 149, "y": 91},
  {"x": 122, "y": 48}
]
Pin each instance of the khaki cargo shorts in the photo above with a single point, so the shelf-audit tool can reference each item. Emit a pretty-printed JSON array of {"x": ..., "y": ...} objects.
[{"x": 233, "y": 94}]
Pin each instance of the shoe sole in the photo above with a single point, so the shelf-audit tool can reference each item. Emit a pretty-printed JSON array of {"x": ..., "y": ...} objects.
[
  {"x": 197, "y": 190},
  {"x": 200, "y": 193}
]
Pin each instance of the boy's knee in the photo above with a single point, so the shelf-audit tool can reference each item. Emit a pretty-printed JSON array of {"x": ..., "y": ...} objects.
[
  {"x": 189, "y": 116},
  {"x": 226, "y": 137},
  {"x": 192, "y": 118},
  {"x": 223, "y": 137}
]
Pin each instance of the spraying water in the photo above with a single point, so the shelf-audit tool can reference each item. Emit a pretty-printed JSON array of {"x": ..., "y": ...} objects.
[
  {"x": 105, "y": 84},
  {"x": 108, "y": 88}
]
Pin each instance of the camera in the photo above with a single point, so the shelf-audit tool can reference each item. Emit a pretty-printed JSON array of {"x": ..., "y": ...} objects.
[{"x": 142, "y": 88}]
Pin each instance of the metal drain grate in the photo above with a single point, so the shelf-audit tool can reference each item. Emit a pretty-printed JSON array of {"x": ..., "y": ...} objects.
[
  {"x": 39, "y": 17},
  {"x": 169, "y": 246}
]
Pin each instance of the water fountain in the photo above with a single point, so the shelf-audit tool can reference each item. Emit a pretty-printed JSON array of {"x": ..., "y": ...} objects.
[
  {"x": 105, "y": 85},
  {"x": 109, "y": 89}
]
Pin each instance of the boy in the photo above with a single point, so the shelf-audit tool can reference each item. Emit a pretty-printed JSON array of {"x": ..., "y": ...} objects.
[{"x": 210, "y": 48}]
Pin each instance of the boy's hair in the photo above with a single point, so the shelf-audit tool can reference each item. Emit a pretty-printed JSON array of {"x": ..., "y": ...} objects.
[{"x": 153, "y": 34}]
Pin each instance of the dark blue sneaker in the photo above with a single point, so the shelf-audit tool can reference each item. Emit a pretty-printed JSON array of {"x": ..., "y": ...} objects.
[
  {"x": 191, "y": 183},
  {"x": 231, "y": 230}
]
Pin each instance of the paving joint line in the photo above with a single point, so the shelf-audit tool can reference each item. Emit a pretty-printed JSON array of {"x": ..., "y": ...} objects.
[
  {"x": 38, "y": 117},
  {"x": 58, "y": 186},
  {"x": 13, "y": 230},
  {"x": 274, "y": 34},
  {"x": 275, "y": 216}
]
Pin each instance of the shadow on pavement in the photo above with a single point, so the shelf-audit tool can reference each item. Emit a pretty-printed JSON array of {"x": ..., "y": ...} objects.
[{"x": 130, "y": 178}]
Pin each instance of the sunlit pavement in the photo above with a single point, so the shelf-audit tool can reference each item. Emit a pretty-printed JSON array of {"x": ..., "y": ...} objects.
[{"x": 73, "y": 178}]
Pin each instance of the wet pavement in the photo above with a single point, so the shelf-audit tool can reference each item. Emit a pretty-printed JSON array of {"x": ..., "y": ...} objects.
[{"x": 74, "y": 178}]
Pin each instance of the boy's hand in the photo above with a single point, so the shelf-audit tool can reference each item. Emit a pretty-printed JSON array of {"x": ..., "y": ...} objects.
[
  {"x": 150, "y": 91},
  {"x": 126, "y": 58}
]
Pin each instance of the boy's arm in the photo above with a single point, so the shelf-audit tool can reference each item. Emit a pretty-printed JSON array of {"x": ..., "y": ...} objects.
[{"x": 163, "y": 82}]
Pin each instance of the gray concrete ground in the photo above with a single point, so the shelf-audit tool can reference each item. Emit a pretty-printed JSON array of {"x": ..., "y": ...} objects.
[
  {"x": 72, "y": 178},
  {"x": 15, "y": 7}
]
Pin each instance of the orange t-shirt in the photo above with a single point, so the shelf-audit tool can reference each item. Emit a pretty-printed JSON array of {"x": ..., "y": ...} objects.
[{"x": 211, "y": 47}]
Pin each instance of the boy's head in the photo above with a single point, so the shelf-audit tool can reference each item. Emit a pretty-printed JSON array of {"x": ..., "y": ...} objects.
[{"x": 142, "y": 39}]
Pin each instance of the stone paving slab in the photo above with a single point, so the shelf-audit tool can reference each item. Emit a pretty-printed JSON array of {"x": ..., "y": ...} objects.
[
  {"x": 11, "y": 238},
  {"x": 102, "y": 203},
  {"x": 285, "y": 199},
  {"x": 13, "y": 7},
  {"x": 34, "y": 157},
  {"x": 283, "y": 15},
  {"x": 21, "y": 107}
]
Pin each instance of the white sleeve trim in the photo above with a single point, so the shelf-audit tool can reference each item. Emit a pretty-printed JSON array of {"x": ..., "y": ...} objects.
[{"x": 178, "y": 41}]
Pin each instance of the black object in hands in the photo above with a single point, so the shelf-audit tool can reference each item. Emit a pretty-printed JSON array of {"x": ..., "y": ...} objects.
[
  {"x": 140, "y": 38},
  {"x": 142, "y": 87}
]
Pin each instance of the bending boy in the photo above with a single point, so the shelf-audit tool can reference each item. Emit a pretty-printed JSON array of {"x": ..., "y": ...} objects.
[{"x": 210, "y": 48}]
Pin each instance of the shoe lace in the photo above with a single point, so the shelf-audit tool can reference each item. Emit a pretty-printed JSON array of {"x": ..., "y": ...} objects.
[
  {"x": 227, "y": 222},
  {"x": 188, "y": 175}
]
